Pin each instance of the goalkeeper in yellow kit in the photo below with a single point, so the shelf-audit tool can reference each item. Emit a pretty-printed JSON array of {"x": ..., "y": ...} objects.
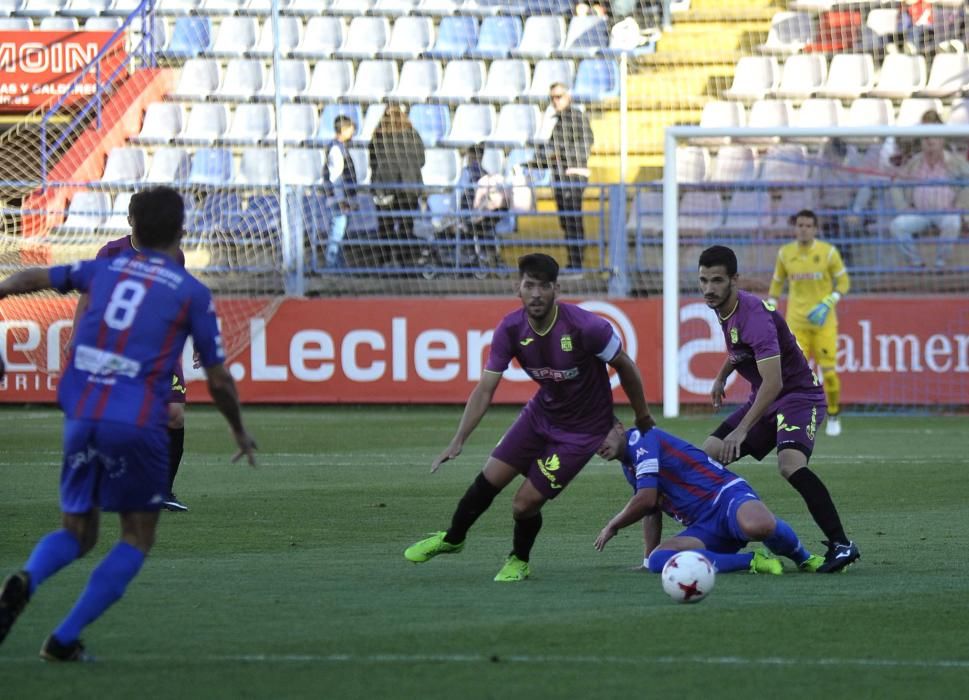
[{"x": 818, "y": 279}]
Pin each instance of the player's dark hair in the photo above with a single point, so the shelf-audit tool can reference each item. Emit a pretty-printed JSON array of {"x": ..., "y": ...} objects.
[
  {"x": 341, "y": 121},
  {"x": 719, "y": 255},
  {"x": 538, "y": 265},
  {"x": 805, "y": 214},
  {"x": 157, "y": 216}
]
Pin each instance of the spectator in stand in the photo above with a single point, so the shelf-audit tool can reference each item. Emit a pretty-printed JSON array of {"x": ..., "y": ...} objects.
[
  {"x": 844, "y": 193},
  {"x": 915, "y": 21},
  {"x": 597, "y": 7},
  {"x": 936, "y": 204},
  {"x": 340, "y": 184},
  {"x": 396, "y": 159},
  {"x": 567, "y": 155}
]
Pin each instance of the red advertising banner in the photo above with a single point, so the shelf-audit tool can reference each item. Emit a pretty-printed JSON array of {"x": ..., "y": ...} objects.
[
  {"x": 905, "y": 350},
  {"x": 37, "y": 67}
]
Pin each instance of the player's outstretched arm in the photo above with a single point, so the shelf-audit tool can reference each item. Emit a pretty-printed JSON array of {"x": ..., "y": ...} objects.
[
  {"x": 223, "y": 390},
  {"x": 478, "y": 404},
  {"x": 632, "y": 383},
  {"x": 642, "y": 503},
  {"x": 33, "y": 279}
]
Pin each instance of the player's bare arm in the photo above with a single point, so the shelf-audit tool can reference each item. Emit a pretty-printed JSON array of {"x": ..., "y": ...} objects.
[
  {"x": 632, "y": 383},
  {"x": 226, "y": 398},
  {"x": 642, "y": 503},
  {"x": 719, "y": 390},
  {"x": 770, "y": 372},
  {"x": 474, "y": 410},
  {"x": 33, "y": 279}
]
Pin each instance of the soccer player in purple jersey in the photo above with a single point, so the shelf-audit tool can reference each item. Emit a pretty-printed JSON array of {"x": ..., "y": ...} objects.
[
  {"x": 114, "y": 391},
  {"x": 786, "y": 402},
  {"x": 566, "y": 351},
  {"x": 177, "y": 395},
  {"x": 721, "y": 512}
]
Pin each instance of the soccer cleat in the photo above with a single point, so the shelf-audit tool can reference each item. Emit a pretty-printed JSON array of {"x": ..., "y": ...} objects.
[
  {"x": 833, "y": 426},
  {"x": 173, "y": 504},
  {"x": 54, "y": 650},
  {"x": 13, "y": 599},
  {"x": 514, "y": 570},
  {"x": 429, "y": 548},
  {"x": 811, "y": 564},
  {"x": 839, "y": 556},
  {"x": 764, "y": 563}
]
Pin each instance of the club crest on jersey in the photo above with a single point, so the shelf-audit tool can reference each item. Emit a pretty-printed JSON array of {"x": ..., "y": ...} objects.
[
  {"x": 734, "y": 336},
  {"x": 633, "y": 437},
  {"x": 566, "y": 343}
]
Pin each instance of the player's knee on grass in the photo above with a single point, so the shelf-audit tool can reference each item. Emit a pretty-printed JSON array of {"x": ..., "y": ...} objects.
[
  {"x": 756, "y": 521},
  {"x": 176, "y": 416},
  {"x": 657, "y": 559}
]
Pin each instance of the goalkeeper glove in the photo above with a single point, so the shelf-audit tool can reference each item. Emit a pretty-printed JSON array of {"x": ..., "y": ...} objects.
[{"x": 819, "y": 314}]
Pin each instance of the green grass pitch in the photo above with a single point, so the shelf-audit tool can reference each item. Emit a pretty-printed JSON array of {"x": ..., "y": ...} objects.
[{"x": 288, "y": 581}]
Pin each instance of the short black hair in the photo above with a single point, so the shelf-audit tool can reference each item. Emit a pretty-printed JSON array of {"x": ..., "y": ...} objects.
[
  {"x": 805, "y": 214},
  {"x": 341, "y": 121},
  {"x": 719, "y": 255},
  {"x": 157, "y": 216},
  {"x": 538, "y": 265}
]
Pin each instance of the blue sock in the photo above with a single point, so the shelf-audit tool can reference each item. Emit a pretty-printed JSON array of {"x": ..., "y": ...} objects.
[
  {"x": 53, "y": 552},
  {"x": 784, "y": 542},
  {"x": 106, "y": 585},
  {"x": 723, "y": 562}
]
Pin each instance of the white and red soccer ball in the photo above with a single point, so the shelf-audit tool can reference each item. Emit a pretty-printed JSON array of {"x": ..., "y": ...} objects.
[{"x": 688, "y": 577}]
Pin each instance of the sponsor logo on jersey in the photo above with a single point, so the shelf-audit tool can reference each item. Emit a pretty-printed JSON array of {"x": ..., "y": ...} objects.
[
  {"x": 556, "y": 375},
  {"x": 526, "y": 341},
  {"x": 813, "y": 425},
  {"x": 548, "y": 468},
  {"x": 781, "y": 425},
  {"x": 104, "y": 363},
  {"x": 566, "y": 343}
]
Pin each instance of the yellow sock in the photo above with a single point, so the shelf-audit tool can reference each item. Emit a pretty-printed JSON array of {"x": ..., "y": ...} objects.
[{"x": 832, "y": 390}]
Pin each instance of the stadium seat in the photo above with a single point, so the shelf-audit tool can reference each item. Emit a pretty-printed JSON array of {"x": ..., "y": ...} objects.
[
  {"x": 472, "y": 124},
  {"x": 768, "y": 114},
  {"x": 117, "y": 220},
  {"x": 959, "y": 112},
  {"x": 393, "y": 8},
  {"x": 257, "y": 166},
  {"x": 371, "y": 118},
  {"x": 219, "y": 211},
  {"x": 849, "y": 76},
  {"x": 124, "y": 165},
  {"x": 542, "y": 37},
  {"x": 105, "y": 24},
  {"x": 244, "y": 78},
  {"x": 493, "y": 161},
  {"x": 366, "y": 38},
  {"x": 409, "y": 38},
  {"x": 870, "y": 111},
  {"x": 168, "y": 165},
  {"x": 521, "y": 159},
  {"x": 596, "y": 80},
  {"x": 58, "y": 23},
  {"x": 302, "y": 166},
  {"x": 252, "y": 123},
  {"x": 122, "y": 8},
  {"x": 206, "y": 124},
  {"x": 911, "y": 109},
  {"x": 235, "y": 37},
  {"x": 803, "y": 75},
  {"x": 190, "y": 37},
  {"x": 819, "y": 112},
  {"x": 325, "y": 131},
  {"x": 463, "y": 80},
  {"x": 221, "y": 7},
  {"x": 295, "y": 7},
  {"x": 154, "y": 34},
  {"x": 200, "y": 77},
  {"x": 264, "y": 7},
  {"x": 85, "y": 8},
  {"x": 722, "y": 114},
  {"x": 692, "y": 163},
  {"x": 163, "y": 122},
  {"x": 587, "y": 36},
  {"x": 546, "y": 73},
  {"x": 16, "y": 24},
  {"x": 517, "y": 125},
  {"x": 321, "y": 37},
  {"x": 419, "y": 80},
  {"x": 331, "y": 80},
  {"x": 790, "y": 202},
  {"x": 646, "y": 212},
  {"x": 261, "y": 218},
  {"x": 442, "y": 167},
  {"x": 41, "y": 8},
  {"x": 211, "y": 166},
  {"x": 785, "y": 163},
  {"x": 177, "y": 7},
  {"x": 754, "y": 77},
  {"x": 294, "y": 78},
  {"x": 431, "y": 121},
  {"x": 747, "y": 212},
  {"x": 508, "y": 79},
  {"x": 290, "y": 34},
  {"x": 374, "y": 81},
  {"x": 456, "y": 36},
  {"x": 700, "y": 211},
  {"x": 297, "y": 122},
  {"x": 900, "y": 76},
  {"x": 440, "y": 8},
  {"x": 734, "y": 163},
  {"x": 879, "y": 30},
  {"x": 350, "y": 7},
  {"x": 497, "y": 37},
  {"x": 789, "y": 33},
  {"x": 87, "y": 211},
  {"x": 949, "y": 75}
]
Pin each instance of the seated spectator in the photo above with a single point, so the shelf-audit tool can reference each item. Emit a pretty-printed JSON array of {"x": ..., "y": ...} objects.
[
  {"x": 938, "y": 204},
  {"x": 596, "y": 7},
  {"x": 844, "y": 174},
  {"x": 915, "y": 18}
]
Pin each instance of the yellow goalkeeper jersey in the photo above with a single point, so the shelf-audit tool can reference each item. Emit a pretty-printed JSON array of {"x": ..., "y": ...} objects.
[{"x": 812, "y": 273}]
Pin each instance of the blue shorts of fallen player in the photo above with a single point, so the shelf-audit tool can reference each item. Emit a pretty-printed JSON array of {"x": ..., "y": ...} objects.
[
  {"x": 718, "y": 529},
  {"x": 116, "y": 467}
]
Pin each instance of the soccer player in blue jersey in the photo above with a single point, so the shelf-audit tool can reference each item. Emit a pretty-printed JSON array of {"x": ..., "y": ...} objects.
[
  {"x": 786, "y": 403},
  {"x": 721, "y": 512},
  {"x": 113, "y": 393},
  {"x": 567, "y": 351}
]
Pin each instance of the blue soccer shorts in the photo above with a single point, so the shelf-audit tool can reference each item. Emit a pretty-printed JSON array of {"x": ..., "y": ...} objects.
[{"x": 719, "y": 530}]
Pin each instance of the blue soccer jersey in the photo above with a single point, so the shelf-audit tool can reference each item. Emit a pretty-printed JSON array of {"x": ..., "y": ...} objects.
[
  {"x": 688, "y": 482},
  {"x": 142, "y": 306}
]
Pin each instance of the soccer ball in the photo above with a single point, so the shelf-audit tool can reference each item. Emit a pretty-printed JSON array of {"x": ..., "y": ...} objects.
[{"x": 688, "y": 577}]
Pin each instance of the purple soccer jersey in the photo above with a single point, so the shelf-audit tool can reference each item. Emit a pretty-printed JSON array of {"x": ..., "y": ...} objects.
[
  {"x": 568, "y": 362},
  {"x": 753, "y": 332}
]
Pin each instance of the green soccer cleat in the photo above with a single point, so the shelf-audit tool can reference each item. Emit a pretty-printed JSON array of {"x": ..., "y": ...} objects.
[
  {"x": 763, "y": 563},
  {"x": 429, "y": 548},
  {"x": 811, "y": 564},
  {"x": 514, "y": 570}
]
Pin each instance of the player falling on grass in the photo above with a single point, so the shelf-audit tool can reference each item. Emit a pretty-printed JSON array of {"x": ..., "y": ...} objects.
[
  {"x": 786, "y": 403},
  {"x": 721, "y": 512},
  {"x": 567, "y": 351},
  {"x": 817, "y": 279},
  {"x": 142, "y": 305},
  {"x": 176, "y": 397}
]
